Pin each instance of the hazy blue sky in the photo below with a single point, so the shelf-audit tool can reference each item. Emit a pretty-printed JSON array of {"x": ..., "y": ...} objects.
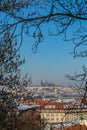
[{"x": 52, "y": 60}]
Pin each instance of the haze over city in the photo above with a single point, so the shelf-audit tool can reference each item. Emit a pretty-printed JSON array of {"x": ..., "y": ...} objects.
[
  {"x": 53, "y": 60},
  {"x": 43, "y": 73}
]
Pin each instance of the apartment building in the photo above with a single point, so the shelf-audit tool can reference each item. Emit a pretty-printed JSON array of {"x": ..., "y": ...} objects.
[
  {"x": 59, "y": 113},
  {"x": 51, "y": 116}
]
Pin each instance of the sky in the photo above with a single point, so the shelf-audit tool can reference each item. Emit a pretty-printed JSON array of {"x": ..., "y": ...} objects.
[{"x": 52, "y": 61}]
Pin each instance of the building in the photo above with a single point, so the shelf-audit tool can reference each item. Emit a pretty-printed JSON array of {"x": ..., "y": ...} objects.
[{"x": 59, "y": 112}]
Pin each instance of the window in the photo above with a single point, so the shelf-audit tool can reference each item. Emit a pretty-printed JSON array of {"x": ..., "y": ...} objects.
[
  {"x": 61, "y": 115},
  {"x": 57, "y": 119}
]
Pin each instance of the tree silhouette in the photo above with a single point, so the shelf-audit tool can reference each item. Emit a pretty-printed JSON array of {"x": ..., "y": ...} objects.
[
  {"x": 9, "y": 61},
  {"x": 27, "y": 17},
  {"x": 19, "y": 17}
]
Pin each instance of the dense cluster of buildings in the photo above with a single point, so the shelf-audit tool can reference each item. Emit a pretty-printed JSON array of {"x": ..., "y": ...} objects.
[
  {"x": 59, "y": 112},
  {"x": 50, "y": 103}
]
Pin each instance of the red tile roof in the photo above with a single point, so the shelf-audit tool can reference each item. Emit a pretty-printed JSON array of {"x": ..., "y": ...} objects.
[
  {"x": 77, "y": 127},
  {"x": 44, "y": 103}
]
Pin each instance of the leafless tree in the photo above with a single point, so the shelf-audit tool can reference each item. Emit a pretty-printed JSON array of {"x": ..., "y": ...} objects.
[
  {"x": 68, "y": 17},
  {"x": 9, "y": 61},
  {"x": 80, "y": 84},
  {"x": 29, "y": 17}
]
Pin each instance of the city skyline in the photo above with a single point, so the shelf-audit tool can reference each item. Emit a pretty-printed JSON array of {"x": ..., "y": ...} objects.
[{"x": 52, "y": 61}]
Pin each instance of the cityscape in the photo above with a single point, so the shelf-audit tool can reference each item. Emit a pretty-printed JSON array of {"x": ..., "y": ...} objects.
[
  {"x": 43, "y": 65},
  {"x": 59, "y": 107}
]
